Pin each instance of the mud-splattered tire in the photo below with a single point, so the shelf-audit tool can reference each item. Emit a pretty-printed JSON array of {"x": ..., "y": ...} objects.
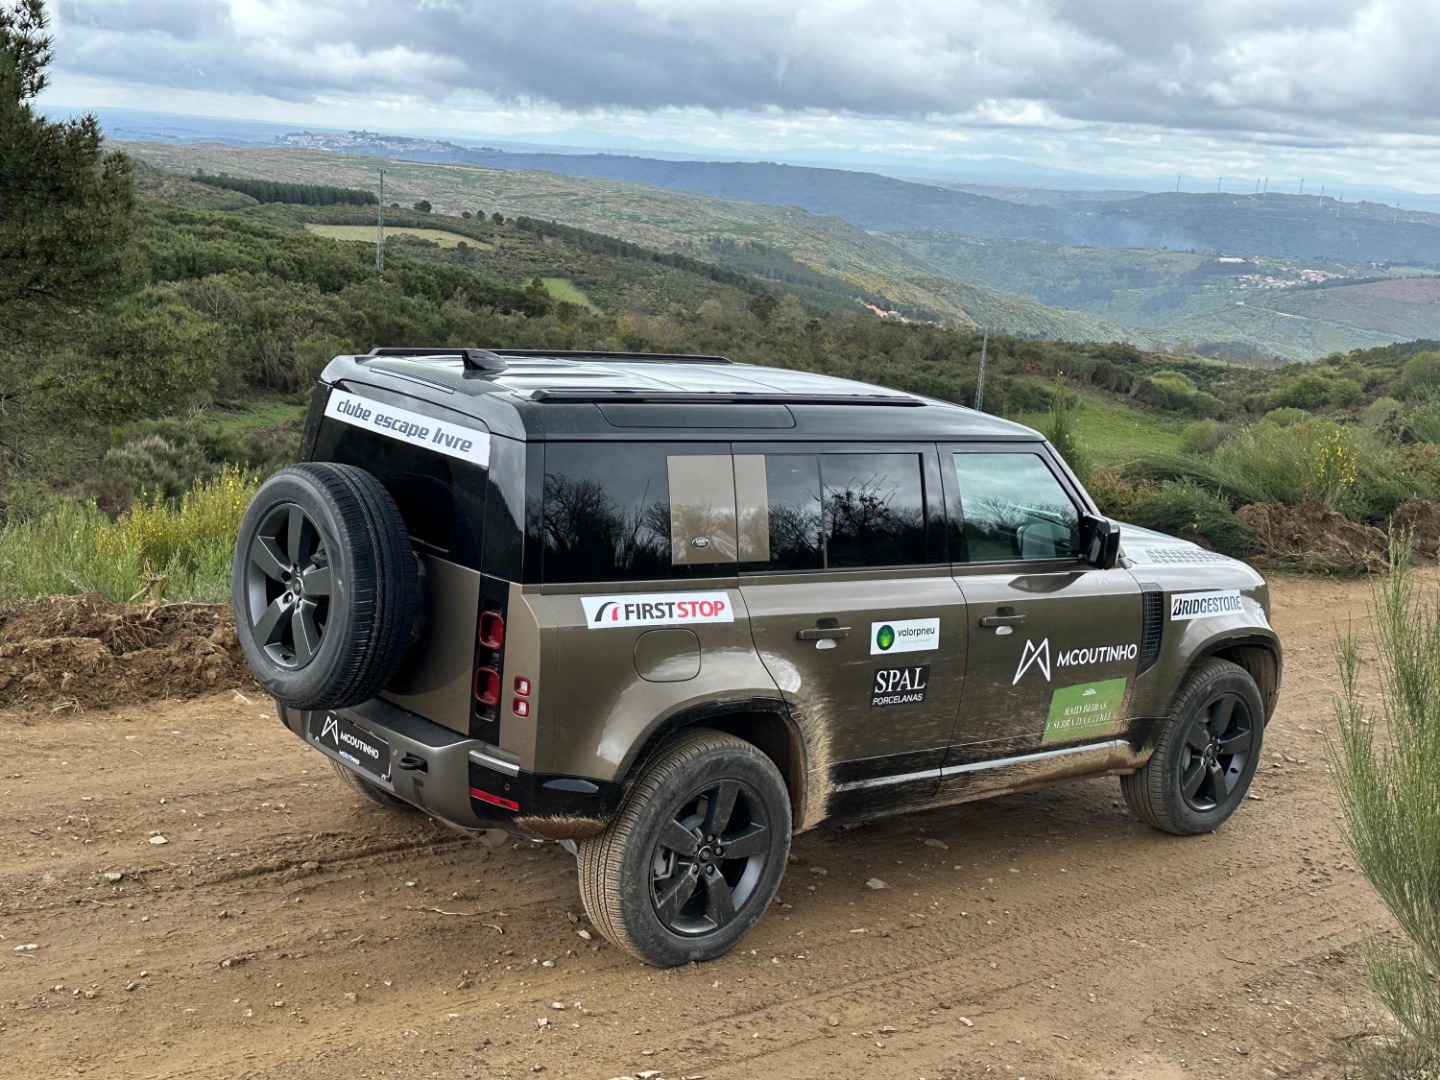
[
  {"x": 325, "y": 586},
  {"x": 368, "y": 791},
  {"x": 1206, "y": 755},
  {"x": 694, "y": 855}
]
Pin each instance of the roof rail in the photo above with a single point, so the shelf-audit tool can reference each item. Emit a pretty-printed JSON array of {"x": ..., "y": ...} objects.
[
  {"x": 601, "y": 354},
  {"x": 688, "y": 397},
  {"x": 482, "y": 360}
]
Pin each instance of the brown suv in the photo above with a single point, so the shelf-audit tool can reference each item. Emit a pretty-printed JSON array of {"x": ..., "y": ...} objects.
[{"x": 671, "y": 610}]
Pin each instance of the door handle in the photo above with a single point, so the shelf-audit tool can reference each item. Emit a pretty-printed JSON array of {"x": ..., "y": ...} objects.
[
  {"x": 823, "y": 633},
  {"x": 1002, "y": 620}
]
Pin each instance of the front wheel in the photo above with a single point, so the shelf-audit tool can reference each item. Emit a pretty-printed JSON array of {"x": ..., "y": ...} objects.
[
  {"x": 1206, "y": 755},
  {"x": 694, "y": 855}
]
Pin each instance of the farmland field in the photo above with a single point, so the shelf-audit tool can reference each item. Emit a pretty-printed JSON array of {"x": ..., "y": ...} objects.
[{"x": 366, "y": 234}]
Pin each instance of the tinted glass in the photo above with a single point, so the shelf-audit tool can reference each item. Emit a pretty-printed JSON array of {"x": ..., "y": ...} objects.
[
  {"x": 874, "y": 510},
  {"x": 792, "y": 487},
  {"x": 441, "y": 498},
  {"x": 1014, "y": 508},
  {"x": 606, "y": 514}
]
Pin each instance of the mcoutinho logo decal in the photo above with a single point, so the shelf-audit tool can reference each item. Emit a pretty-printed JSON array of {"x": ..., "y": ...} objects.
[{"x": 885, "y": 637}]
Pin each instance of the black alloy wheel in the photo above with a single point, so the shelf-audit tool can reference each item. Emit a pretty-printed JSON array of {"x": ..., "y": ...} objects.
[
  {"x": 288, "y": 586},
  {"x": 709, "y": 857},
  {"x": 1217, "y": 748}
]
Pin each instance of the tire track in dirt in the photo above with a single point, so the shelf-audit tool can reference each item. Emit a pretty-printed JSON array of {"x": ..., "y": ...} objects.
[{"x": 1116, "y": 951}]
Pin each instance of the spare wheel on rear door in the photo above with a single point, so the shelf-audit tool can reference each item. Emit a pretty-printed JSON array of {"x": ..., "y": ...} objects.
[{"x": 324, "y": 585}]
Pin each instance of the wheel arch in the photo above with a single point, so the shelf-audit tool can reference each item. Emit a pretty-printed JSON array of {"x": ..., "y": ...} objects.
[
  {"x": 1257, "y": 654},
  {"x": 765, "y": 723}
]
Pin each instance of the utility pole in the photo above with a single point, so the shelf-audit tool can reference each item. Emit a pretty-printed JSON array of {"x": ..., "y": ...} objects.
[
  {"x": 1322, "y": 192},
  {"x": 1177, "y": 182},
  {"x": 1257, "y": 187},
  {"x": 1217, "y": 185},
  {"x": 1302, "y": 185},
  {"x": 1266, "y": 189},
  {"x": 380, "y": 229},
  {"x": 980, "y": 381}
]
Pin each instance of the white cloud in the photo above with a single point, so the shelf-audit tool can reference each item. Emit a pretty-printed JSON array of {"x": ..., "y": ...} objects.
[{"x": 1219, "y": 86}]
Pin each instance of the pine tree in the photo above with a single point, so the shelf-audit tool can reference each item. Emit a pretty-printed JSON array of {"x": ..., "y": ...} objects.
[{"x": 65, "y": 204}]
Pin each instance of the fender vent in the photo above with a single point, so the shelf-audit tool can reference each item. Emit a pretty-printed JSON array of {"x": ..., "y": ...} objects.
[{"x": 1152, "y": 625}]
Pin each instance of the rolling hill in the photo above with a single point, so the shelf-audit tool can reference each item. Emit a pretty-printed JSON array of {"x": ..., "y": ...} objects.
[{"x": 666, "y": 220}]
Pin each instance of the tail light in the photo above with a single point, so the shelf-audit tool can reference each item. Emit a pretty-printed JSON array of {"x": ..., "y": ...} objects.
[
  {"x": 520, "y": 707},
  {"x": 492, "y": 629},
  {"x": 522, "y": 686},
  {"x": 487, "y": 686}
]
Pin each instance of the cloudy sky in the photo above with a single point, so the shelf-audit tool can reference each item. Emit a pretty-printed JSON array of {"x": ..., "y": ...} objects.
[{"x": 1342, "y": 89}]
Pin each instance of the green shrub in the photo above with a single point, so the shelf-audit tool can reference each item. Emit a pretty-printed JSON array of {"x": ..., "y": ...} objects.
[
  {"x": 1342, "y": 466},
  {"x": 1420, "y": 376},
  {"x": 1285, "y": 417},
  {"x": 1202, "y": 437},
  {"x": 1195, "y": 513},
  {"x": 1116, "y": 496},
  {"x": 1384, "y": 765},
  {"x": 156, "y": 549},
  {"x": 1060, "y": 430}
]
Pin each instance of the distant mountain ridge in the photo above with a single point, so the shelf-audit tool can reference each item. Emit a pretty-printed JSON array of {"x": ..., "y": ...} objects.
[{"x": 1272, "y": 224}]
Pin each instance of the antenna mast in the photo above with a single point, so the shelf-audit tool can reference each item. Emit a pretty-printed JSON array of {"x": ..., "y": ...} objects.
[{"x": 380, "y": 229}]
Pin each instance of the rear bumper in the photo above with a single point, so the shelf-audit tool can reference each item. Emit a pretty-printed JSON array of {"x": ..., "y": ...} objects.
[{"x": 467, "y": 783}]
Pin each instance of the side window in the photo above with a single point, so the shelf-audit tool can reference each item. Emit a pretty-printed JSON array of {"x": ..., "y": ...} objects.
[
  {"x": 830, "y": 511},
  {"x": 1014, "y": 508},
  {"x": 874, "y": 510},
  {"x": 609, "y": 513}
]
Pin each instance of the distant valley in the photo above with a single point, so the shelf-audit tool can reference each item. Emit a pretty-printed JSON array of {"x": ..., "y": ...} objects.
[{"x": 1236, "y": 276}]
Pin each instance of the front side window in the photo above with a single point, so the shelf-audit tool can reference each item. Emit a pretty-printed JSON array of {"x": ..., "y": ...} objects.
[{"x": 1014, "y": 508}]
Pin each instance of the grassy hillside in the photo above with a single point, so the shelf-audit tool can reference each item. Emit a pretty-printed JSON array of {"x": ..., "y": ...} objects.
[
  {"x": 1243, "y": 326},
  {"x": 1114, "y": 434},
  {"x": 665, "y": 220},
  {"x": 1406, "y": 307}
]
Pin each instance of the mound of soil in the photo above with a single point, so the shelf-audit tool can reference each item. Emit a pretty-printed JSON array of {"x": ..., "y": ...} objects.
[
  {"x": 83, "y": 651},
  {"x": 1316, "y": 535},
  {"x": 1419, "y": 520}
]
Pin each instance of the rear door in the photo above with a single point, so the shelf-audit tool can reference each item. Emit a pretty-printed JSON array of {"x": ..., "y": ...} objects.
[
  {"x": 853, "y": 608},
  {"x": 1054, "y": 642}
]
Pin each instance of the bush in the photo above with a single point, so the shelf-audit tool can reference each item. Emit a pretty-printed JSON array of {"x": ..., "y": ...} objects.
[
  {"x": 155, "y": 549},
  {"x": 1342, "y": 466},
  {"x": 1060, "y": 430},
  {"x": 1202, "y": 436},
  {"x": 1285, "y": 417},
  {"x": 1384, "y": 767},
  {"x": 1116, "y": 496},
  {"x": 1195, "y": 513}
]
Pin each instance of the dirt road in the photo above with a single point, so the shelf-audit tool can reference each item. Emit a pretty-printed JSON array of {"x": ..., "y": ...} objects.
[{"x": 283, "y": 930}]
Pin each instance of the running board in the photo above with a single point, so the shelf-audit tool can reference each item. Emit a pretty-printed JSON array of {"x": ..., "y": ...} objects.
[{"x": 999, "y": 775}]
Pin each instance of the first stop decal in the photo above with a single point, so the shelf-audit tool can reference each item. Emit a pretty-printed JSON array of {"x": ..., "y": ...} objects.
[{"x": 657, "y": 609}]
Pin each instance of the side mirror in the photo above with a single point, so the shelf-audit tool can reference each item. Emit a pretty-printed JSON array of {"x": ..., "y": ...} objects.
[{"x": 1099, "y": 542}]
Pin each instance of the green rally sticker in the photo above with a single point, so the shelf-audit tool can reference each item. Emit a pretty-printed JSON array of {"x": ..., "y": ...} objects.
[{"x": 1085, "y": 711}]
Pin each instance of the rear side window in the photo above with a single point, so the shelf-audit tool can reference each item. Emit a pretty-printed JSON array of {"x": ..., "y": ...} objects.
[
  {"x": 637, "y": 512},
  {"x": 831, "y": 511},
  {"x": 1014, "y": 508},
  {"x": 442, "y": 499}
]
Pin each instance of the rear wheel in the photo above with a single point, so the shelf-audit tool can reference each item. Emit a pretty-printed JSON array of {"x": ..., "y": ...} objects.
[
  {"x": 695, "y": 854},
  {"x": 366, "y": 790},
  {"x": 1206, "y": 755}
]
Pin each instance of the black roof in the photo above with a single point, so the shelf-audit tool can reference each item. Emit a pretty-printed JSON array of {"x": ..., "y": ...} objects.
[{"x": 557, "y": 394}]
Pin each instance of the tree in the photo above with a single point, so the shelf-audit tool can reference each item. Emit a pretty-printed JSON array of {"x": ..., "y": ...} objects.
[
  {"x": 65, "y": 227},
  {"x": 65, "y": 218},
  {"x": 465, "y": 214},
  {"x": 423, "y": 206},
  {"x": 498, "y": 218}
]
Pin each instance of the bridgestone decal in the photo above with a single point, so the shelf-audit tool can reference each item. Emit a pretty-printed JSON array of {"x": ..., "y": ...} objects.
[
  {"x": 1206, "y": 605},
  {"x": 657, "y": 609},
  {"x": 426, "y": 432}
]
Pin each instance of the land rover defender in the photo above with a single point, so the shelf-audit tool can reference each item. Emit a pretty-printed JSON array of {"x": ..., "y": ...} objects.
[{"x": 671, "y": 610}]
